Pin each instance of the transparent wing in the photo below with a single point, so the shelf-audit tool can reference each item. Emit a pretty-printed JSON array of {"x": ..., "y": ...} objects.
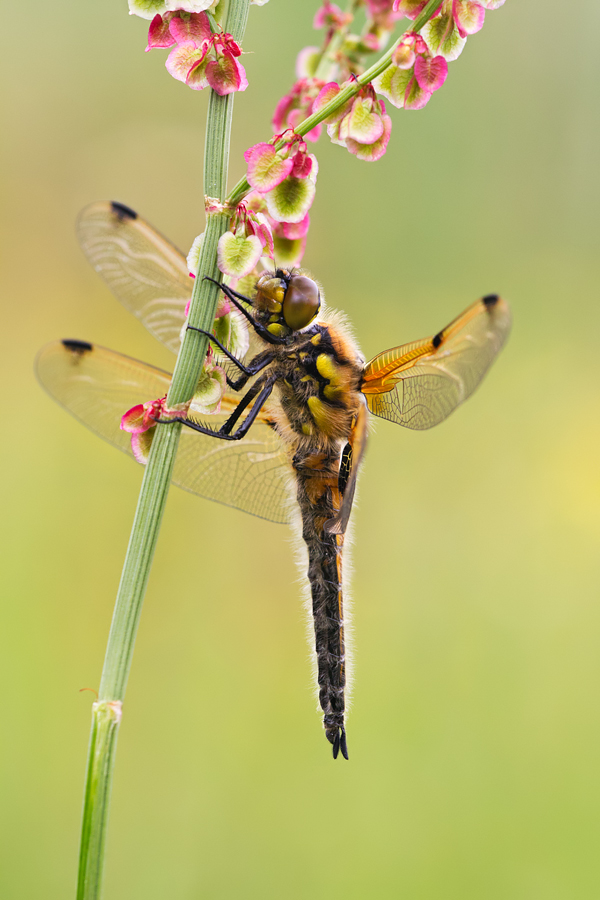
[
  {"x": 142, "y": 268},
  {"x": 418, "y": 385},
  {"x": 97, "y": 386}
]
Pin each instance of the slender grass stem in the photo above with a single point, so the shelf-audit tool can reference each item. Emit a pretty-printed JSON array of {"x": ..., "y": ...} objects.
[
  {"x": 242, "y": 187},
  {"x": 106, "y": 714}
]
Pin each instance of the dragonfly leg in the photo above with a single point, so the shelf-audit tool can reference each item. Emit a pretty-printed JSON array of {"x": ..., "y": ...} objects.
[
  {"x": 258, "y": 327},
  {"x": 224, "y": 432},
  {"x": 258, "y": 363}
]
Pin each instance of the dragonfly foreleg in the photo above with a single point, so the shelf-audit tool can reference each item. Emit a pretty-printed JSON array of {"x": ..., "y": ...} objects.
[
  {"x": 259, "y": 362},
  {"x": 258, "y": 327}
]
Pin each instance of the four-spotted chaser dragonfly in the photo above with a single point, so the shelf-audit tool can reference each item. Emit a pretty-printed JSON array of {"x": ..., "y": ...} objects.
[{"x": 308, "y": 393}]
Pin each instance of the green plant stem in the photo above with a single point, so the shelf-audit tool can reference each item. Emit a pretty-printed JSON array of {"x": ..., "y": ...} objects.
[
  {"x": 242, "y": 187},
  {"x": 107, "y": 710}
]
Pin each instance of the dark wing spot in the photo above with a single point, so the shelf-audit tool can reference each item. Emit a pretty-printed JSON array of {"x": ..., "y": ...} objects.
[
  {"x": 122, "y": 211},
  {"x": 437, "y": 340},
  {"x": 77, "y": 346},
  {"x": 491, "y": 300}
]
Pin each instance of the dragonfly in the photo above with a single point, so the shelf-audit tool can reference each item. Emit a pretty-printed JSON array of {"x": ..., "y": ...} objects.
[{"x": 291, "y": 433}]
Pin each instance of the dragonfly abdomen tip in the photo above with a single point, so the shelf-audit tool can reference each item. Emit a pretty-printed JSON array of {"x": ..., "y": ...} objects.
[{"x": 339, "y": 743}]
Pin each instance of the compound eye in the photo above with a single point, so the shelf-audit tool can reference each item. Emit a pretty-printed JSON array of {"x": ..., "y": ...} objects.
[{"x": 301, "y": 303}]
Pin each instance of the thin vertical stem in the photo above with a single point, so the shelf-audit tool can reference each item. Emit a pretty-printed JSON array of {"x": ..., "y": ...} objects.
[{"x": 107, "y": 710}]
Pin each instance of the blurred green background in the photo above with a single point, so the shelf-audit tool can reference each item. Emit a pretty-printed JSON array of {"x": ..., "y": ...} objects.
[{"x": 475, "y": 732}]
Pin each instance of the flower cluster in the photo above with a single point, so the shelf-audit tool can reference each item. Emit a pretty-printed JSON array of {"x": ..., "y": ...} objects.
[
  {"x": 200, "y": 57},
  {"x": 140, "y": 421},
  {"x": 242, "y": 246},
  {"x": 361, "y": 125},
  {"x": 275, "y": 215},
  {"x": 446, "y": 33},
  {"x": 147, "y": 9},
  {"x": 229, "y": 326},
  {"x": 296, "y": 106},
  {"x": 414, "y": 74},
  {"x": 289, "y": 238}
]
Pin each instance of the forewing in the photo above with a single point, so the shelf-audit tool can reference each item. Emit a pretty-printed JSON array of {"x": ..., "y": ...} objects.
[
  {"x": 142, "y": 268},
  {"x": 418, "y": 385},
  {"x": 98, "y": 386}
]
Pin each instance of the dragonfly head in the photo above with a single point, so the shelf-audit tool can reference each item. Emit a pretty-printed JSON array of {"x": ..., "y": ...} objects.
[{"x": 287, "y": 301}]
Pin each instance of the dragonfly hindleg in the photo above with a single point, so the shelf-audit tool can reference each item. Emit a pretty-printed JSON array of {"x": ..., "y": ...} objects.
[{"x": 263, "y": 390}]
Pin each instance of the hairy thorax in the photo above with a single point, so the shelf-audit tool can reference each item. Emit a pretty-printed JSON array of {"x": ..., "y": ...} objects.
[{"x": 319, "y": 385}]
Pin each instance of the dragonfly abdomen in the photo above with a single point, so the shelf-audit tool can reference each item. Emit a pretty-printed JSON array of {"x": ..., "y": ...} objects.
[{"x": 318, "y": 499}]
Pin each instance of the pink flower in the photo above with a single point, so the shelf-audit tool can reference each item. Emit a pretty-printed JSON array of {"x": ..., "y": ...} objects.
[
  {"x": 140, "y": 422},
  {"x": 199, "y": 58},
  {"x": 210, "y": 388},
  {"x": 178, "y": 28},
  {"x": 431, "y": 72},
  {"x": 159, "y": 33},
  {"x": 266, "y": 167},
  {"x": 143, "y": 416},
  {"x": 468, "y": 16},
  {"x": 240, "y": 249},
  {"x": 331, "y": 16},
  {"x": 414, "y": 74},
  {"x": 361, "y": 125},
  {"x": 296, "y": 106},
  {"x": 409, "y": 8},
  {"x": 286, "y": 178},
  {"x": 289, "y": 238},
  {"x": 383, "y": 14}
]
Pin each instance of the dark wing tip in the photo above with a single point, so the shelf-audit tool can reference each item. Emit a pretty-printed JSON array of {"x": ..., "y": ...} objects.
[
  {"x": 122, "y": 211},
  {"x": 437, "y": 340},
  {"x": 490, "y": 301},
  {"x": 77, "y": 346}
]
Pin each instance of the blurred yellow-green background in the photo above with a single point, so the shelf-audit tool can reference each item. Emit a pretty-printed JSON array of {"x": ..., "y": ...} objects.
[{"x": 475, "y": 731}]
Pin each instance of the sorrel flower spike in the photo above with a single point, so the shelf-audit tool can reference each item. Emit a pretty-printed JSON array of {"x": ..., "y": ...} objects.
[
  {"x": 361, "y": 125},
  {"x": 200, "y": 57},
  {"x": 289, "y": 238},
  {"x": 240, "y": 249},
  {"x": 414, "y": 74},
  {"x": 286, "y": 178},
  {"x": 298, "y": 104},
  {"x": 140, "y": 422}
]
